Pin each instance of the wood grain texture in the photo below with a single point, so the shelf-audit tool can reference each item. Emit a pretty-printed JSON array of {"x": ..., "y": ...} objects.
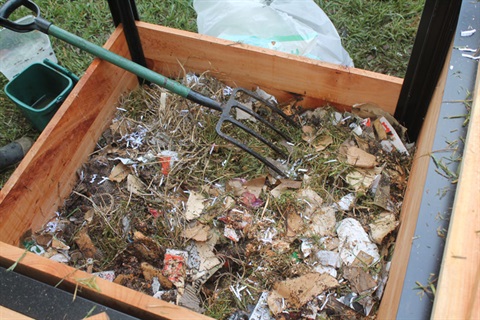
[
  {"x": 48, "y": 172},
  {"x": 280, "y": 74},
  {"x": 458, "y": 290},
  {"x": 412, "y": 201},
  {"x": 110, "y": 294},
  {"x": 8, "y": 314},
  {"x": 100, "y": 316}
]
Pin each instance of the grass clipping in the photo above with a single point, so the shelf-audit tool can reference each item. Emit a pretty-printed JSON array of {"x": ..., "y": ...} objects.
[{"x": 166, "y": 207}]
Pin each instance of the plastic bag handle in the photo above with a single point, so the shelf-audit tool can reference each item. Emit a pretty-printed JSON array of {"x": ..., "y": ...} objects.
[{"x": 11, "y": 5}]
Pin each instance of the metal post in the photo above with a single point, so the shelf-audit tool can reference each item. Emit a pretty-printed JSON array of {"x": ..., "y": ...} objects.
[
  {"x": 432, "y": 43},
  {"x": 125, "y": 12}
]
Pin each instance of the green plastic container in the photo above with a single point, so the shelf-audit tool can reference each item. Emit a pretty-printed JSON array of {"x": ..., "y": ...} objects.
[{"x": 39, "y": 90}]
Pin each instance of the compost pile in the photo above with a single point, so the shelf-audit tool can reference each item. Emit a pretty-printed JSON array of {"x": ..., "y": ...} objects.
[{"x": 166, "y": 207}]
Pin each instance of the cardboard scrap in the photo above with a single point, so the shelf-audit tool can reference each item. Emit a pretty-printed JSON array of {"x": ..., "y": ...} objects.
[
  {"x": 382, "y": 191},
  {"x": 298, "y": 291},
  {"x": 190, "y": 299}
]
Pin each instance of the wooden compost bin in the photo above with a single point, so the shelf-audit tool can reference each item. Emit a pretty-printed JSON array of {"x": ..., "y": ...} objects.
[{"x": 47, "y": 174}]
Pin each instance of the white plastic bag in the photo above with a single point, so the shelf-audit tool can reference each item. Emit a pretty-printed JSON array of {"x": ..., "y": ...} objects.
[{"x": 294, "y": 26}]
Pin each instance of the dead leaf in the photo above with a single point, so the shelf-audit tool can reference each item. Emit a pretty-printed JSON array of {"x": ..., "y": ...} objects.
[
  {"x": 284, "y": 185},
  {"x": 120, "y": 127},
  {"x": 379, "y": 129},
  {"x": 299, "y": 291},
  {"x": 361, "y": 179},
  {"x": 308, "y": 134},
  {"x": 236, "y": 187},
  {"x": 149, "y": 272},
  {"x": 194, "y": 206},
  {"x": 322, "y": 222},
  {"x": 382, "y": 226},
  {"x": 86, "y": 246},
  {"x": 255, "y": 186},
  {"x": 198, "y": 233},
  {"x": 322, "y": 143},
  {"x": 43, "y": 239},
  {"x": 57, "y": 244},
  {"x": 134, "y": 185},
  {"x": 119, "y": 173},
  {"x": 294, "y": 224},
  {"x": 361, "y": 159},
  {"x": 311, "y": 198},
  {"x": 89, "y": 215},
  {"x": 360, "y": 280}
]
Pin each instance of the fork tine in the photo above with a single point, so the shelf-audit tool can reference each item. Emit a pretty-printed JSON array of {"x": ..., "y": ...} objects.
[
  {"x": 246, "y": 148},
  {"x": 270, "y": 105},
  {"x": 251, "y": 132},
  {"x": 227, "y": 117},
  {"x": 262, "y": 120}
]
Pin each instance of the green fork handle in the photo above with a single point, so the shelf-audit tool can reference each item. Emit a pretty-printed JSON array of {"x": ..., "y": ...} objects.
[{"x": 49, "y": 28}]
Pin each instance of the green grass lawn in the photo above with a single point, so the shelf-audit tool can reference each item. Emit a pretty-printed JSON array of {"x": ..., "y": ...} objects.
[{"x": 378, "y": 35}]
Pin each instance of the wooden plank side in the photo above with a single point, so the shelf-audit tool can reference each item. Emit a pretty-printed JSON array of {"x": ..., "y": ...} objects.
[
  {"x": 411, "y": 204},
  {"x": 278, "y": 73},
  {"x": 108, "y": 293},
  {"x": 458, "y": 290},
  {"x": 47, "y": 173},
  {"x": 8, "y": 314}
]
